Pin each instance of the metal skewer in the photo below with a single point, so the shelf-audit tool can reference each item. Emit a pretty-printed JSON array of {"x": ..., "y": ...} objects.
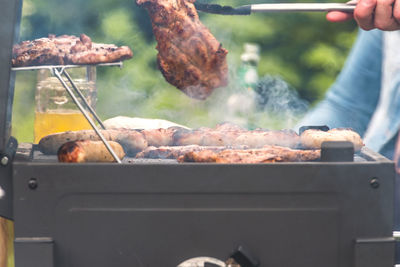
[
  {"x": 298, "y": 7},
  {"x": 275, "y": 7},
  {"x": 57, "y": 72},
  {"x": 91, "y": 110},
  {"x": 396, "y": 235},
  {"x": 51, "y": 67}
]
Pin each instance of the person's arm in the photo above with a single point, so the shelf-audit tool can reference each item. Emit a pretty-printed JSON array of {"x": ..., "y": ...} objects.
[{"x": 352, "y": 99}]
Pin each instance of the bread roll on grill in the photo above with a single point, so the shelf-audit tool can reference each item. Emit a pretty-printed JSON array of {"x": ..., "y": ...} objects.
[{"x": 313, "y": 138}]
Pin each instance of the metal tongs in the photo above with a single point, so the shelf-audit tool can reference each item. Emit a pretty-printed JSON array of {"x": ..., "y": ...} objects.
[{"x": 276, "y": 7}]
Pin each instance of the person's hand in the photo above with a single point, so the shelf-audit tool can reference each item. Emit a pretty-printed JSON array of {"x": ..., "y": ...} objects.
[{"x": 371, "y": 14}]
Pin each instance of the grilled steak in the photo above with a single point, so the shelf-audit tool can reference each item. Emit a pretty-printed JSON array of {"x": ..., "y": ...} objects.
[
  {"x": 66, "y": 49},
  {"x": 263, "y": 155},
  {"x": 189, "y": 56},
  {"x": 314, "y": 138}
]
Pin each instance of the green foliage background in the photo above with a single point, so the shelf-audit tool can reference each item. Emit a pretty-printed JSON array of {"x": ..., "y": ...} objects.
[{"x": 302, "y": 48}]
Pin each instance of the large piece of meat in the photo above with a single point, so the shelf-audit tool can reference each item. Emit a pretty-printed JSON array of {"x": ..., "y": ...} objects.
[
  {"x": 66, "y": 49},
  {"x": 189, "y": 56}
]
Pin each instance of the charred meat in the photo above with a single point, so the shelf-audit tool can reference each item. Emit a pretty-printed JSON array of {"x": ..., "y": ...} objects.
[
  {"x": 88, "y": 151},
  {"x": 231, "y": 135},
  {"x": 189, "y": 56},
  {"x": 66, "y": 49},
  {"x": 174, "y": 152},
  {"x": 266, "y": 154},
  {"x": 132, "y": 141}
]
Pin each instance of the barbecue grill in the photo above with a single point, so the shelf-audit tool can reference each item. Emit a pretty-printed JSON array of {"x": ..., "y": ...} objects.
[{"x": 149, "y": 212}]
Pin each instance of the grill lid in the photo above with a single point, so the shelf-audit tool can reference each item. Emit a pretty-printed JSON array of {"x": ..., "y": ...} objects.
[{"x": 10, "y": 17}]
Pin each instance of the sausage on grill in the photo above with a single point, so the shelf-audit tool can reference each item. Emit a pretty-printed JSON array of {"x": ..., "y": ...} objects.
[
  {"x": 267, "y": 154},
  {"x": 132, "y": 141},
  {"x": 88, "y": 151}
]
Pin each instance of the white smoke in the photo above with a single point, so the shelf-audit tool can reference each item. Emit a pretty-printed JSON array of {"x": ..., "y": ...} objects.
[
  {"x": 278, "y": 99},
  {"x": 272, "y": 104}
]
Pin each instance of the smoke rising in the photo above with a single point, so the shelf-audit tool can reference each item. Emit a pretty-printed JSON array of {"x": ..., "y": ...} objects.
[
  {"x": 276, "y": 96},
  {"x": 272, "y": 104}
]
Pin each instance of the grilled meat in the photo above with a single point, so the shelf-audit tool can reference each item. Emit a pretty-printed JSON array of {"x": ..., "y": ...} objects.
[
  {"x": 263, "y": 155},
  {"x": 160, "y": 137},
  {"x": 174, "y": 152},
  {"x": 314, "y": 138},
  {"x": 88, "y": 151},
  {"x": 132, "y": 141},
  {"x": 66, "y": 49},
  {"x": 199, "y": 156},
  {"x": 189, "y": 56},
  {"x": 260, "y": 138},
  {"x": 229, "y": 136},
  {"x": 100, "y": 53},
  {"x": 258, "y": 145}
]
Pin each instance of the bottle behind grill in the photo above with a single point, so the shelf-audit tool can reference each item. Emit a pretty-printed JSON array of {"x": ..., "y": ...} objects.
[
  {"x": 55, "y": 111},
  {"x": 247, "y": 72},
  {"x": 242, "y": 102}
]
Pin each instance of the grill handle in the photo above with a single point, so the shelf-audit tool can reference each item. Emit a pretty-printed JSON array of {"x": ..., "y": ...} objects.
[{"x": 396, "y": 236}]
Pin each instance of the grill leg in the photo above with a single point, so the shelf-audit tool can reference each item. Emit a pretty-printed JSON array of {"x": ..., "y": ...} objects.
[
  {"x": 34, "y": 252},
  {"x": 374, "y": 252}
]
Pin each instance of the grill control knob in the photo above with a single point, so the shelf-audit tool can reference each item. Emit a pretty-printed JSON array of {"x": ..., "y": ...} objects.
[{"x": 32, "y": 183}]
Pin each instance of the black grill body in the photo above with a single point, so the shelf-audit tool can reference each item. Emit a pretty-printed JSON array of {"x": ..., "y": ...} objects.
[
  {"x": 310, "y": 214},
  {"x": 337, "y": 213}
]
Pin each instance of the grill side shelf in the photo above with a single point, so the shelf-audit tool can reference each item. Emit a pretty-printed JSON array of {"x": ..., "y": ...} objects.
[
  {"x": 50, "y": 67},
  {"x": 61, "y": 70}
]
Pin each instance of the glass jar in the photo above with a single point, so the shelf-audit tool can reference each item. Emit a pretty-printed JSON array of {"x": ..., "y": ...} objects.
[{"x": 55, "y": 110}]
